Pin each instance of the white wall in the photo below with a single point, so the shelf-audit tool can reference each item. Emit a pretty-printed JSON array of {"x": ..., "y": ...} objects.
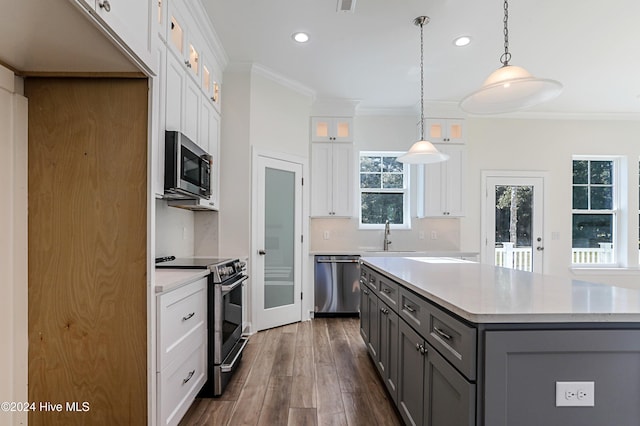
[
  {"x": 257, "y": 113},
  {"x": 548, "y": 145},
  {"x": 174, "y": 231},
  {"x": 385, "y": 133},
  {"x": 13, "y": 246}
]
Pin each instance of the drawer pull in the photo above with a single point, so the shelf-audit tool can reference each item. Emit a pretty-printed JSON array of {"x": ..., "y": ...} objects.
[
  {"x": 188, "y": 317},
  {"x": 442, "y": 333},
  {"x": 189, "y": 376},
  {"x": 386, "y": 290},
  {"x": 409, "y": 308}
]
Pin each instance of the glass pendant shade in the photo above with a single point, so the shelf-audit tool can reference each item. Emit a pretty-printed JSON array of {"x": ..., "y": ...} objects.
[
  {"x": 510, "y": 88},
  {"x": 423, "y": 152}
]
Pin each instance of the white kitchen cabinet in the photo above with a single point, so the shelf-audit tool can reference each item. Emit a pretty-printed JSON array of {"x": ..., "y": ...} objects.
[
  {"x": 159, "y": 118},
  {"x": 331, "y": 179},
  {"x": 175, "y": 86},
  {"x": 444, "y": 130},
  {"x": 181, "y": 349},
  {"x": 331, "y": 129},
  {"x": 127, "y": 20},
  {"x": 440, "y": 185},
  {"x": 191, "y": 112}
]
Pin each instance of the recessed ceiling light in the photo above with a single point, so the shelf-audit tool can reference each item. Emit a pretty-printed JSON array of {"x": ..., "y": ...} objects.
[
  {"x": 300, "y": 37},
  {"x": 462, "y": 41}
]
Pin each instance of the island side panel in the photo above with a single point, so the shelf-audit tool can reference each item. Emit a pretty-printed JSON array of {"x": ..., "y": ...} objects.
[{"x": 522, "y": 368}]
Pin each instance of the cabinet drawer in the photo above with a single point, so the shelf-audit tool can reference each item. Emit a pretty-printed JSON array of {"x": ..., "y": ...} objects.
[
  {"x": 413, "y": 309},
  {"x": 178, "y": 386},
  {"x": 182, "y": 316},
  {"x": 455, "y": 340},
  {"x": 388, "y": 292}
]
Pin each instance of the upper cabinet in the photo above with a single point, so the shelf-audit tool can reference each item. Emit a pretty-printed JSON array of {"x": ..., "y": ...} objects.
[
  {"x": 331, "y": 179},
  {"x": 444, "y": 130},
  {"x": 128, "y": 22},
  {"x": 440, "y": 185},
  {"x": 331, "y": 129}
]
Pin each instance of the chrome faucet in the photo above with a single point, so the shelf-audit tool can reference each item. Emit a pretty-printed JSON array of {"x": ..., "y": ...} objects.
[{"x": 387, "y": 232}]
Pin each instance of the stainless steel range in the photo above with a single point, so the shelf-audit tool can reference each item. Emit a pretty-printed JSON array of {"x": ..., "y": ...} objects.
[{"x": 224, "y": 323}]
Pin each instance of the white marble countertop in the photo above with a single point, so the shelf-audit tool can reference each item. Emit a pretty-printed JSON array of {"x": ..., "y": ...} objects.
[
  {"x": 487, "y": 294},
  {"x": 170, "y": 279}
]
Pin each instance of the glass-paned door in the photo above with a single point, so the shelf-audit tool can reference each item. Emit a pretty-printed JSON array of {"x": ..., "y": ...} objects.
[
  {"x": 513, "y": 216},
  {"x": 279, "y": 216}
]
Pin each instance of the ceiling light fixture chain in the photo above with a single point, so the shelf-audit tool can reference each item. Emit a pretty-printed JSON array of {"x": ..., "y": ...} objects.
[
  {"x": 506, "y": 56},
  {"x": 421, "y": 21}
]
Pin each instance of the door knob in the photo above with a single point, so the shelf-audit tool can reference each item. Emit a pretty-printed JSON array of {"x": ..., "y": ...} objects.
[{"x": 262, "y": 252}]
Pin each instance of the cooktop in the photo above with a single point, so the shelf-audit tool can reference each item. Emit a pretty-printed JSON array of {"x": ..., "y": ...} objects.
[{"x": 190, "y": 262}]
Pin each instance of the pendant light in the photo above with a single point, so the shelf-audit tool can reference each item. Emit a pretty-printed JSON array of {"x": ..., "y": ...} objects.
[
  {"x": 509, "y": 88},
  {"x": 423, "y": 151}
]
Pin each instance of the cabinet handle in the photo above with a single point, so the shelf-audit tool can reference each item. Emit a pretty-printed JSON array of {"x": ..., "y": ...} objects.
[
  {"x": 423, "y": 349},
  {"x": 386, "y": 290},
  {"x": 105, "y": 5},
  {"x": 442, "y": 333},
  {"x": 187, "y": 63},
  {"x": 409, "y": 308},
  {"x": 418, "y": 347},
  {"x": 189, "y": 376},
  {"x": 365, "y": 292},
  {"x": 188, "y": 317},
  {"x": 384, "y": 311}
]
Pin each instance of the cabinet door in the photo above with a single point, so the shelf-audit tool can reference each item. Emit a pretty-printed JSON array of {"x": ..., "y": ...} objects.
[
  {"x": 388, "y": 354},
  {"x": 331, "y": 129},
  {"x": 411, "y": 372},
  {"x": 440, "y": 185},
  {"x": 321, "y": 179},
  {"x": 449, "y": 397},
  {"x": 365, "y": 314},
  {"x": 190, "y": 112},
  {"x": 454, "y": 176},
  {"x": 130, "y": 20},
  {"x": 441, "y": 130},
  {"x": 374, "y": 332},
  {"x": 159, "y": 115},
  {"x": 342, "y": 186},
  {"x": 175, "y": 77}
]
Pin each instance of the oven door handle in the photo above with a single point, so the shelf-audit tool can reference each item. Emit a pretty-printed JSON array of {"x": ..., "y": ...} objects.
[{"x": 230, "y": 287}]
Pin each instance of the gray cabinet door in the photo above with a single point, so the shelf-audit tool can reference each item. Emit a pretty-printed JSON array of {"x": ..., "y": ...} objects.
[
  {"x": 411, "y": 371},
  {"x": 364, "y": 313},
  {"x": 388, "y": 354},
  {"x": 449, "y": 397},
  {"x": 374, "y": 327}
]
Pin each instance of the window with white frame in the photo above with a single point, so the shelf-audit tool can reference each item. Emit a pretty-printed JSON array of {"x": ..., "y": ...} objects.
[
  {"x": 595, "y": 210},
  {"x": 384, "y": 190}
]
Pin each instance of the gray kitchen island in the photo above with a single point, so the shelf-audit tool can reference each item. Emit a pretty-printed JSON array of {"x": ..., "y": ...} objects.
[{"x": 462, "y": 343}]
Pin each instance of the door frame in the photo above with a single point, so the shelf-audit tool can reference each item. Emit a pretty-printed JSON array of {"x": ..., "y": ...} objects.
[
  {"x": 486, "y": 256},
  {"x": 253, "y": 320}
]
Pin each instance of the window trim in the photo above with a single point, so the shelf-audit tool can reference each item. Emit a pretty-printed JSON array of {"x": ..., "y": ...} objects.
[{"x": 406, "y": 199}]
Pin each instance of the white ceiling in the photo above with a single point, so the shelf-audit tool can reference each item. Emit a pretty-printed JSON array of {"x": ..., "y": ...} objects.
[{"x": 372, "y": 55}]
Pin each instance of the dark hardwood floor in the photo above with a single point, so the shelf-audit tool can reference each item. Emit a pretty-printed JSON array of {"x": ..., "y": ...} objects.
[{"x": 310, "y": 373}]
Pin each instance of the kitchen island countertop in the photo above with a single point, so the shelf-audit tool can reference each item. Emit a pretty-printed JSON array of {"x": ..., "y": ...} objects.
[{"x": 487, "y": 294}]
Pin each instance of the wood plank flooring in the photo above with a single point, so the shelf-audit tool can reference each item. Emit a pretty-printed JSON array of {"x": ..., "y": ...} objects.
[{"x": 310, "y": 373}]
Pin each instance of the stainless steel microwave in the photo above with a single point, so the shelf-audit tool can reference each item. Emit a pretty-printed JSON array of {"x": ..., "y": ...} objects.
[{"x": 187, "y": 168}]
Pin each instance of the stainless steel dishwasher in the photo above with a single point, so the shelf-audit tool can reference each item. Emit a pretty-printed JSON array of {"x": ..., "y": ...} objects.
[{"x": 337, "y": 285}]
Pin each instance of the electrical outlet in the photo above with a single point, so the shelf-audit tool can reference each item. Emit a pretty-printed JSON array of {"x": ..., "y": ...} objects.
[
  {"x": 575, "y": 394},
  {"x": 434, "y": 235},
  {"x": 325, "y": 235},
  {"x": 421, "y": 235}
]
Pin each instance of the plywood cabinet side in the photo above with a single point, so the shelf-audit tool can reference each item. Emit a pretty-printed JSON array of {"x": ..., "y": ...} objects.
[{"x": 88, "y": 248}]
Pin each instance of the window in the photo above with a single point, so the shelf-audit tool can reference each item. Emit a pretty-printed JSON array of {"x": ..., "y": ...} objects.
[
  {"x": 384, "y": 191},
  {"x": 594, "y": 211}
]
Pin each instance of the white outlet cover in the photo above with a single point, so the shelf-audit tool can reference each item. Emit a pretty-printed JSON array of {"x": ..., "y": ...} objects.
[{"x": 575, "y": 394}]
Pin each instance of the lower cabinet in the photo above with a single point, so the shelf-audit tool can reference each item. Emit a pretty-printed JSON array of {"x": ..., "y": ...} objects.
[{"x": 425, "y": 386}]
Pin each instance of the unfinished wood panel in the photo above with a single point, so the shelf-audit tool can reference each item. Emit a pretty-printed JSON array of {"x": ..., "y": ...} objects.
[{"x": 88, "y": 248}]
